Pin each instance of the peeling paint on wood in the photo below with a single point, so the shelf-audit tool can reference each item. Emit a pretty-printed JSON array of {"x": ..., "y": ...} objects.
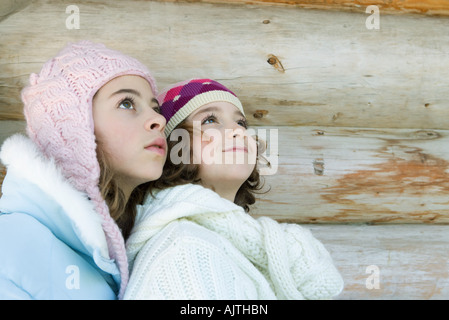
[
  {"x": 408, "y": 173},
  {"x": 343, "y": 175}
]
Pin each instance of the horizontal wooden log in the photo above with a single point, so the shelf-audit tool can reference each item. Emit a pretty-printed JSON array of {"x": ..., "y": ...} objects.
[
  {"x": 291, "y": 67},
  {"x": 428, "y": 7},
  {"x": 389, "y": 262},
  {"x": 8, "y": 7},
  {"x": 343, "y": 175},
  {"x": 328, "y": 174}
]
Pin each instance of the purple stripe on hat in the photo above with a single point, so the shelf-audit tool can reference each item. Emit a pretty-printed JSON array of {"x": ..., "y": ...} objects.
[
  {"x": 182, "y": 101},
  {"x": 169, "y": 108},
  {"x": 191, "y": 89},
  {"x": 214, "y": 86}
]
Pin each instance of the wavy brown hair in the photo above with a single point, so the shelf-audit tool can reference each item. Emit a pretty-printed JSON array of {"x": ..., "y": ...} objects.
[
  {"x": 179, "y": 174},
  {"x": 123, "y": 211}
]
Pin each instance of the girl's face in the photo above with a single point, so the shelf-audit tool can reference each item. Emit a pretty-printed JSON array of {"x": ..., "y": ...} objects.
[
  {"x": 130, "y": 130},
  {"x": 227, "y": 155}
]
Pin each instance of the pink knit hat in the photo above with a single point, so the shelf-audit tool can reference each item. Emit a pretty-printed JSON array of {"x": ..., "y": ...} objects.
[{"x": 58, "y": 111}]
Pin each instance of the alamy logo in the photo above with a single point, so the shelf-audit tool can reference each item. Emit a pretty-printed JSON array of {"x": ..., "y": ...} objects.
[
  {"x": 234, "y": 151},
  {"x": 73, "y": 20},
  {"x": 72, "y": 281},
  {"x": 373, "y": 280},
  {"x": 373, "y": 21}
]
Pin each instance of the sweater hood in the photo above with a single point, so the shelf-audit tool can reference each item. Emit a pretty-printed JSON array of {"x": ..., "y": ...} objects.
[
  {"x": 170, "y": 204},
  {"x": 36, "y": 186}
]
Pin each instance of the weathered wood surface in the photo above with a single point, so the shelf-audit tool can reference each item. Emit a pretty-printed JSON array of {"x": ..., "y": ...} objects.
[
  {"x": 326, "y": 68},
  {"x": 328, "y": 174},
  {"x": 326, "y": 72},
  {"x": 8, "y": 128},
  {"x": 8, "y": 7},
  {"x": 428, "y": 7},
  {"x": 361, "y": 114},
  {"x": 341, "y": 175},
  {"x": 412, "y": 260}
]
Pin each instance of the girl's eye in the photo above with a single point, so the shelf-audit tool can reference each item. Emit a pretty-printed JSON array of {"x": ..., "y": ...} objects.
[
  {"x": 157, "y": 109},
  {"x": 209, "y": 119},
  {"x": 127, "y": 104},
  {"x": 243, "y": 123}
]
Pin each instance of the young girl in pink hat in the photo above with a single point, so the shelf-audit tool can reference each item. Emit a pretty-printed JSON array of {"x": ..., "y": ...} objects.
[
  {"x": 193, "y": 237},
  {"x": 95, "y": 139}
]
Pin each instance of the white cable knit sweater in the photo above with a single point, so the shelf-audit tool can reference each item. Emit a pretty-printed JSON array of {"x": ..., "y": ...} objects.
[{"x": 189, "y": 243}]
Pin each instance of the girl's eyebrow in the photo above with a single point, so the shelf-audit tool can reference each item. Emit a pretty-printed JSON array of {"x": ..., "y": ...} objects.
[
  {"x": 239, "y": 113},
  {"x": 208, "y": 109},
  {"x": 216, "y": 109},
  {"x": 131, "y": 91}
]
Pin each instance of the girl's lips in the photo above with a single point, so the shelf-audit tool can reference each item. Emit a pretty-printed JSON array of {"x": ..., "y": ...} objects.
[
  {"x": 156, "y": 149},
  {"x": 158, "y": 146},
  {"x": 237, "y": 149}
]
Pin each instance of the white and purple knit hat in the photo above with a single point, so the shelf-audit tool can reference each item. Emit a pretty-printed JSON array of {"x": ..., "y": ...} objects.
[
  {"x": 179, "y": 100},
  {"x": 58, "y": 112}
]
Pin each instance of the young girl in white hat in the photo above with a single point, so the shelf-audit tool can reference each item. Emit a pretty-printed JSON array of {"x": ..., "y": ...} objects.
[{"x": 193, "y": 237}]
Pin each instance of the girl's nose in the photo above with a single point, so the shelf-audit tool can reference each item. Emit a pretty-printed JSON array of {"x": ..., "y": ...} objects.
[
  {"x": 235, "y": 133},
  {"x": 155, "y": 121}
]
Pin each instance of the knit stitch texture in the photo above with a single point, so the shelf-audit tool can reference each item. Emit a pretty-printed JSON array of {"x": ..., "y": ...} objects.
[{"x": 291, "y": 260}]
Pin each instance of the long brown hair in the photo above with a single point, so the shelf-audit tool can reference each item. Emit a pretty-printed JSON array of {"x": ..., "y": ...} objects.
[
  {"x": 179, "y": 174},
  {"x": 121, "y": 210}
]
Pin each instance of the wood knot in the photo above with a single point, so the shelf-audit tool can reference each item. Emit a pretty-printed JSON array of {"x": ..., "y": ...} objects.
[
  {"x": 318, "y": 167},
  {"x": 426, "y": 134},
  {"x": 276, "y": 63},
  {"x": 272, "y": 61},
  {"x": 259, "y": 114}
]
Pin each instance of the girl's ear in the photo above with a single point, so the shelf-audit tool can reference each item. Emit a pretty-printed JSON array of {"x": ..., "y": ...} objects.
[
  {"x": 261, "y": 145},
  {"x": 261, "y": 148}
]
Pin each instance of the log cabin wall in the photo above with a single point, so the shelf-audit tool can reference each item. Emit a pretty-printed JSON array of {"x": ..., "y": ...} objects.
[{"x": 361, "y": 114}]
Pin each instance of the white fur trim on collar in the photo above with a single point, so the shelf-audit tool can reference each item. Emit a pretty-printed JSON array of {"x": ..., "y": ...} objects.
[{"x": 21, "y": 155}]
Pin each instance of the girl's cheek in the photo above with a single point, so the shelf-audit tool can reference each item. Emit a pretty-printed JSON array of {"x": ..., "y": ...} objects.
[
  {"x": 212, "y": 141},
  {"x": 252, "y": 145},
  {"x": 196, "y": 152}
]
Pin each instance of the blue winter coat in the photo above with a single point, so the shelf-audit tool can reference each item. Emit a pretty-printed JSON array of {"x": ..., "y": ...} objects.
[{"x": 52, "y": 245}]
